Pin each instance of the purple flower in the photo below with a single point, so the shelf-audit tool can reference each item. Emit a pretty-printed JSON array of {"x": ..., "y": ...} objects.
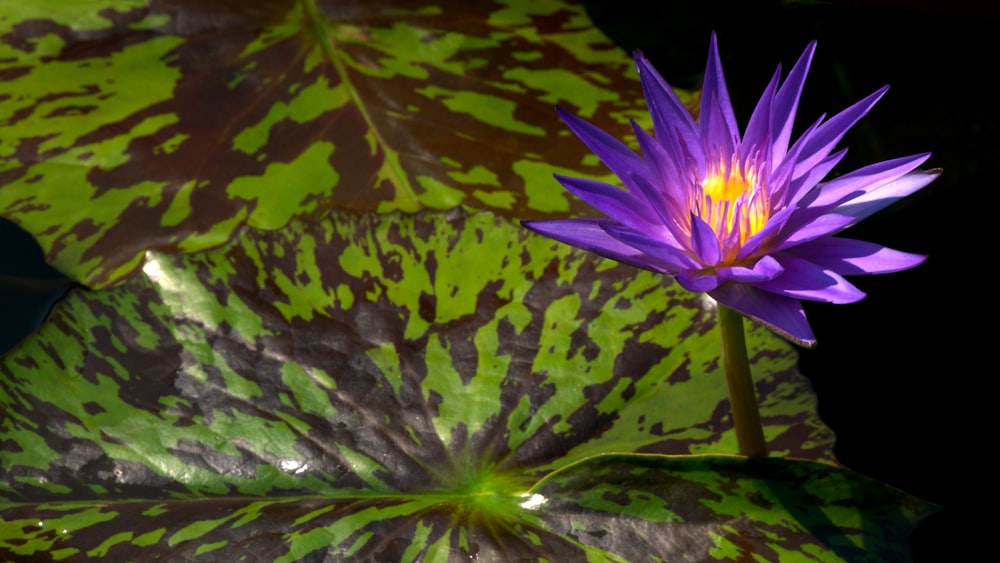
[{"x": 743, "y": 218}]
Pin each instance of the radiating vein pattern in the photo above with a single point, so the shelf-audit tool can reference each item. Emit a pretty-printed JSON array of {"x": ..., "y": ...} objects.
[
  {"x": 395, "y": 385},
  {"x": 374, "y": 352}
]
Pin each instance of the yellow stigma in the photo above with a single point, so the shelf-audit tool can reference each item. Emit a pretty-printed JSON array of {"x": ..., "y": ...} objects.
[{"x": 734, "y": 203}]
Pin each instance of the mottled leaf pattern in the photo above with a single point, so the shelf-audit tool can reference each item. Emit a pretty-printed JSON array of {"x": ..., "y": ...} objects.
[
  {"x": 709, "y": 508},
  {"x": 168, "y": 125},
  {"x": 423, "y": 374},
  {"x": 607, "y": 508},
  {"x": 392, "y": 352},
  {"x": 326, "y": 338}
]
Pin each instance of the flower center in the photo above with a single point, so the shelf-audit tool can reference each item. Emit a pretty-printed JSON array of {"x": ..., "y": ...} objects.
[
  {"x": 724, "y": 186},
  {"x": 734, "y": 202}
]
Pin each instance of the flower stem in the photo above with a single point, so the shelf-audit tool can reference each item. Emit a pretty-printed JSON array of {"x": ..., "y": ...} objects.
[{"x": 742, "y": 398}]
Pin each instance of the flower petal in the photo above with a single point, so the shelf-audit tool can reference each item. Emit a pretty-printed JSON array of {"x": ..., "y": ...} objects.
[
  {"x": 782, "y": 178},
  {"x": 612, "y": 201},
  {"x": 844, "y": 201},
  {"x": 766, "y": 235},
  {"x": 805, "y": 183},
  {"x": 821, "y": 141},
  {"x": 659, "y": 249},
  {"x": 704, "y": 242},
  {"x": 588, "y": 234},
  {"x": 667, "y": 208},
  {"x": 783, "y": 315},
  {"x": 613, "y": 153},
  {"x": 803, "y": 279},
  {"x": 815, "y": 221},
  {"x": 697, "y": 283},
  {"x": 855, "y": 257},
  {"x": 664, "y": 158},
  {"x": 716, "y": 117},
  {"x": 819, "y": 225},
  {"x": 786, "y": 103},
  {"x": 716, "y": 132},
  {"x": 767, "y": 268},
  {"x": 758, "y": 131},
  {"x": 863, "y": 180},
  {"x": 670, "y": 116},
  {"x": 656, "y": 223},
  {"x": 885, "y": 195}
]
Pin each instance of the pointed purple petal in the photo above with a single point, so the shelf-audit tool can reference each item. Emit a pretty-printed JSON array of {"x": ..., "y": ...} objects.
[
  {"x": 704, "y": 242},
  {"x": 612, "y": 201},
  {"x": 588, "y": 234},
  {"x": 783, "y": 315},
  {"x": 855, "y": 257},
  {"x": 664, "y": 158},
  {"x": 667, "y": 209},
  {"x": 786, "y": 104},
  {"x": 663, "y": 250},
  {"x": 697, "y": 283},
  {"x": 720, "y": 140},
  {"x": 886, "y": 195},
  {"x": 817, "y": 226},
  {"x": 613, "y": 153},
  {"x": 766, "y": 234},
  {"x": 670, "y": 116},
  {"x": 783, "y": 177},
  {"x": 758, "y": 132},
  {"x": 716, "y": 117},
  {"x": 808, "y": 181},
  {"x": 767, "y": 268},
  {"x": 820, "y": 142},
  {"x": 803, "y": 279},
  {"x": 863, "y": 180},
  {"x": 853, "y": 197}
]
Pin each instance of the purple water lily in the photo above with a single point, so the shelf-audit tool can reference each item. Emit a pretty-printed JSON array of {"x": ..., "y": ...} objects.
[{"x": 742, "y": 218}]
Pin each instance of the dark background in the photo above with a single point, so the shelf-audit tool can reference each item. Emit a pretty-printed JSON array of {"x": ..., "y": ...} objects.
[{"x": 904, "y": 377}]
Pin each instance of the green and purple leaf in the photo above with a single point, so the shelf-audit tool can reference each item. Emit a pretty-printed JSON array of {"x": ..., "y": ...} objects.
[
  {"x": 168, "y": 125},
  {"x": 414, "y": 348},
  {"x": 607, "y": 508},
  {"x": 290, "y": 361},
  {"x": 387, "y": 374}
]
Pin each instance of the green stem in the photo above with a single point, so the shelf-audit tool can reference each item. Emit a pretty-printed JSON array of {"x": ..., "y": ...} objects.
[{"x": 742, "y": 398}]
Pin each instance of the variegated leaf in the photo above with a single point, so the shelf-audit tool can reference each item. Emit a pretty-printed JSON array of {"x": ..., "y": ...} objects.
[
  {"x": 606, "y": 508},
  {"x": 128, "y": 125},
  {"x": 393, "y": 357}
]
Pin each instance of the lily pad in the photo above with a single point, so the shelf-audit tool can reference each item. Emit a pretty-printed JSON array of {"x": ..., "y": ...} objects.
[
  {"x": 132, "y": 126},
  {"x": 397, "y": 386},
  {"x": 605, "y": 508},
  {"x": 387, "y": 351},
  {"x": 295, "y": 359}
]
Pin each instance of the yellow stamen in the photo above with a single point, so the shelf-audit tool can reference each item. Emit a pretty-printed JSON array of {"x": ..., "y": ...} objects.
[
  {"x": 719, "y": 186},
  {"x": 734, "y": 203}
]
